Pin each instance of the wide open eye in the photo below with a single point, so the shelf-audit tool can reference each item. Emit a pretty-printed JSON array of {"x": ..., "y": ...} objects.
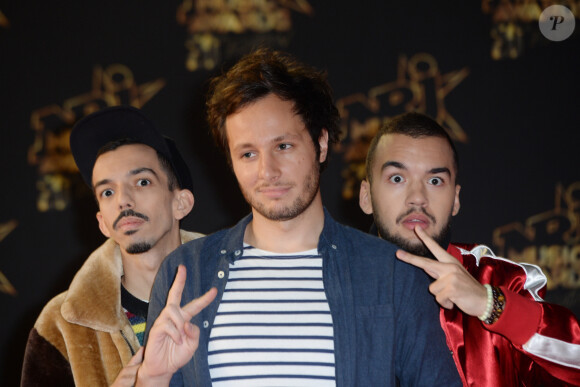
[
  {"x": 435, "y": 181},
  {"x": 143, "y": 182},
  {"x": 396, "y": 179},
  {"x": 106, "y": 193}
]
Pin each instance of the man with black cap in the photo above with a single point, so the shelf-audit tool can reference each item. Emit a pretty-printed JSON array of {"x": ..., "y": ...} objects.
[{"x": 88, "y": 334}]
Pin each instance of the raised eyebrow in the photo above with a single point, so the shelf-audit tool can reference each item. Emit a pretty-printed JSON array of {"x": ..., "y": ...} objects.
[
  {"x": 132, "y": 173},
  {"x": 440, "y": 170},
  {"x": 143, "y": 169},
  {"x": 395, "y": 164},
  {"x": 99, "y": 183}
]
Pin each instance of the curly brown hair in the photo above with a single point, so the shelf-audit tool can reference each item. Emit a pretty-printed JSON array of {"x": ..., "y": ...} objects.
[{"x": 265, "y": 72}]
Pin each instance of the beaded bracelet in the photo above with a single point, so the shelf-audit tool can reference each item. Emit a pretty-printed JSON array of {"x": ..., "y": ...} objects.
[
  {"x": 498, "y": 305},
  {"x": 489, "y": 306}
]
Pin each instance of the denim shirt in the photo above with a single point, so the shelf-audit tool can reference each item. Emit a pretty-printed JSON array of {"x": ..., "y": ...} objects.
[{"x": 386, "y": 324}]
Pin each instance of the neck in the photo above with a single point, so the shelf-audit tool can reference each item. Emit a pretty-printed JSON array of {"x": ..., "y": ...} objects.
[
  {"x": 293, "y": 235},
  {"x": 139, "y": 270}
]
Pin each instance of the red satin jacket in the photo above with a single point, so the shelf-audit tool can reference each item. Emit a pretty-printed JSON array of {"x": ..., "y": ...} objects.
[{"x": 532, "y": 344}]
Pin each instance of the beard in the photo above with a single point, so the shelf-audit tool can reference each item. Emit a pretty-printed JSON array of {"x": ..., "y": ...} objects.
[
  {"x": 442, "y": 238},
  {"x": 139, "y": 248},
  {"x": 297, "y": 207}
]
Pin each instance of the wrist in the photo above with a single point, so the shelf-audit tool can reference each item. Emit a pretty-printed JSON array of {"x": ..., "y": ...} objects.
[
  {"x": 145, "y": 378},
  {"x": 489, "y": 303},
  {"x": 495, "y": 305},
  {"x": 521, "y": 319}
]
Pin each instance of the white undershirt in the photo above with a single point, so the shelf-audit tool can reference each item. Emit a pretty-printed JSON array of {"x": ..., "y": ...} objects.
[{"x": 273, "y": 326}]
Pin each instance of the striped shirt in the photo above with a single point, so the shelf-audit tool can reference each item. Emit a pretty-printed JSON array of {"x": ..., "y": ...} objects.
[{"x": 273, "y": 326}]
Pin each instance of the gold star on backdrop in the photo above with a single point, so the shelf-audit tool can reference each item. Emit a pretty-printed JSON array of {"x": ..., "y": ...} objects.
[
  {"x": 218, "y": 30},
  {"x": 420, "y": 86},
  {"x": 550, "y": 239},
  {"x": 50, "y": 151}
]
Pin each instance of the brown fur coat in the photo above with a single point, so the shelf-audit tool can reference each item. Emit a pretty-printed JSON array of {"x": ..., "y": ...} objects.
[{"x": 82, "y": 336}]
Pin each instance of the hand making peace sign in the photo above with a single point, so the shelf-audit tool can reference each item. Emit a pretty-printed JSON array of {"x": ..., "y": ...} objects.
[{"x": 173, "y": 339}]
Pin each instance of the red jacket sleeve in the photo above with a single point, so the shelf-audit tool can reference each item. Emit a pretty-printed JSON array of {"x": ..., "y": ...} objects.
[{"x": 547, "y": 336}]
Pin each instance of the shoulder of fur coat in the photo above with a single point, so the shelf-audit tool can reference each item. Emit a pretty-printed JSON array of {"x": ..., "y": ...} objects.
[{"x": 93, "y": 299}]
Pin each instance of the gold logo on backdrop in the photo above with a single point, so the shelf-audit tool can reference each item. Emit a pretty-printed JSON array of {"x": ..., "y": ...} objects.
[
  {"x": 219, "y": 28},
  {"x": 515, "y": 24},
  {"x": 50, "y": 152},
  {"x": 5, "y": 285},
  {"x": 549, "y": 239},
  {"x": 420, "y": 86},
  {"x": 4, "y": 22}
]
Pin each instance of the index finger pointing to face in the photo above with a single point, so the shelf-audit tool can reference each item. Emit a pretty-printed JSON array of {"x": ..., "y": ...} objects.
[
  {"x": 433, "y": 246},
  {"x": 174, "y": 296}
]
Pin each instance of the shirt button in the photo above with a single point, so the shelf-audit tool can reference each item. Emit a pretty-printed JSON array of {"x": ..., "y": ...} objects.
[
  {"x": 333, "y": 246},
  {"x": 237, "y": 252},
  {"x": 221, "y": 274},
  {"x": 223, "y": 252},
  {"x": 206, "y": 324}
]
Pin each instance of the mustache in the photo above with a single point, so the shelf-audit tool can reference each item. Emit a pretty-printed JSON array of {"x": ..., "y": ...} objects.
[
  {"x": 129, "y": 212},
  {"x": 416, "y": 209}
]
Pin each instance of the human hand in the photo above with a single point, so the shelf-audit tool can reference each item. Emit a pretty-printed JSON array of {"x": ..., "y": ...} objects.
[
  {"x": 453, "y": 284},
  {"x": 173, "y": 339},
  {"x": 128, "y": 374}
]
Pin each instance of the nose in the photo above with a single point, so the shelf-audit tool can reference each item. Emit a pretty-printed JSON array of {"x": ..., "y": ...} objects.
[
  {"x": 417, "y": 195},
  {"x": 269, "y": 168},
  {"x": 125, "y": 198}
]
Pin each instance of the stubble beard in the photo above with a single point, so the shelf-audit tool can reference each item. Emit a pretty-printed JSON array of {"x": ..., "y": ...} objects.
[
  {"x": 414, "y": 247},
  {"x": 300, "y": 204}
]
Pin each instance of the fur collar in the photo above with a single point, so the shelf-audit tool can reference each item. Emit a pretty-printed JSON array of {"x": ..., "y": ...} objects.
[{"x": 94, "y": 296}]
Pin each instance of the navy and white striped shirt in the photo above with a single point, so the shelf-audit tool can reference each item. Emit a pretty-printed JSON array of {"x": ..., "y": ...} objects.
[{"x": 273, "y": 326}]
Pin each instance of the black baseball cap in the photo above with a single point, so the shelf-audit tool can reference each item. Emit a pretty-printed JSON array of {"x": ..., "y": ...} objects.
[{"x": 94, "y": 131}]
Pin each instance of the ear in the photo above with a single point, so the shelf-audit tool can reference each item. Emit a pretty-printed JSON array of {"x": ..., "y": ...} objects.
[
  {"x": 323, "y": 142},
  {"x": 183, "y": 203},
  {"x": 364, "y": 198},
  {"x": 102, "y": 226},
  {"x": 456, "y": 203}
]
